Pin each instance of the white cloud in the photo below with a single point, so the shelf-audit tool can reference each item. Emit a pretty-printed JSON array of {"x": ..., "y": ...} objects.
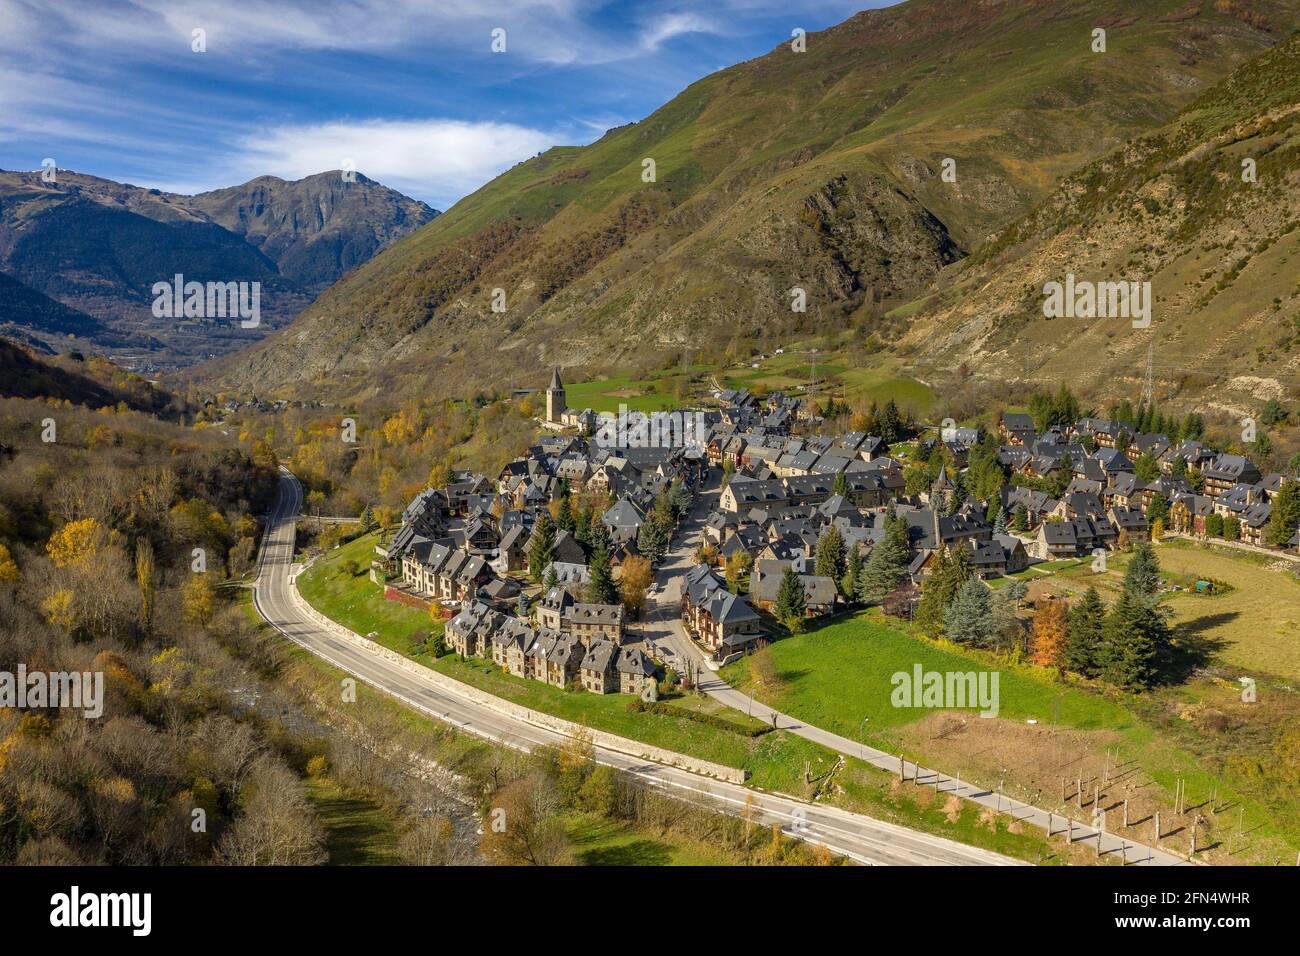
[
  {"x": 664, "y": 28},
  {"x": 437, "y": 160}
]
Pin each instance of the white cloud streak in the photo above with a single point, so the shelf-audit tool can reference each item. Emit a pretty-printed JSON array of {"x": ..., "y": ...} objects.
[{"x": 438, "y": 158}]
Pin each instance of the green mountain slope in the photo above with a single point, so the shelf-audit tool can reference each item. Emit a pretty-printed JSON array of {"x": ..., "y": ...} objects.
[
  {"x": 819, "y": 169},
  {"x": 1174, "y": 208}
]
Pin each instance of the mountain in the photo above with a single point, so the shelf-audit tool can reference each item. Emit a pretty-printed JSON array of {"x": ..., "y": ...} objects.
[
  {"x": 315, "y": 229},
  {"x": 98, "y": 246},
  {"x": 821, "y": 169},
  {"x": 1175, "y": 208}
]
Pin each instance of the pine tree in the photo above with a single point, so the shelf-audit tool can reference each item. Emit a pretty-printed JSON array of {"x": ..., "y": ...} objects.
[
  {"x": 886, "y": 568},
  {"x": 830, "y": 554},
  {"x": 852, "y": 574},
  {"x": 1000, "y": 522},
  {"x": 582, "y": 524},
  {"x": 601, "y": 589},
  {"x": 841, "y": 485},
  {"x": 1129, "y": 644},
  {"x": 1020, "y": 523},
  {"x": 679, "y": 498},
  {"x": 564, "y": 519},
  {"x": 952, "y": 570},
  {"x": 1284, "y": 517},
  {"x": 968, "y": 617},
  {"x": 1158, "y": 510},
  {"x": 1142, "y": 578},
  {"x": 790, "y": 602},
  {"x": 651, "y": 540},
  {"x": 541, "y": 546},
  {"x": 890, "y": 423}
]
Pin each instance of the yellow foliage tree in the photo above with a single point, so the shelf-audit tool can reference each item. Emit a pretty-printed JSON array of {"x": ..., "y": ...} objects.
[
  {"x": 78, "y": 542},
  {"x": 8, "y": 566},
  {"x": 635, "y": 579},
  {"x": 198, "y": 599},
  {"x": 58, "y": 609}
]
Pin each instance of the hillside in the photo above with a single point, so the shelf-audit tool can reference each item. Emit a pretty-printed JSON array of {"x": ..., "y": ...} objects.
[
  {"x": 1171, "y": 208},
  {"x": 97, "y": 247},
  {"x": 94, "y": 382},
  {"x": 819, "y": 169},
  {"x": 34, "y": 317}
]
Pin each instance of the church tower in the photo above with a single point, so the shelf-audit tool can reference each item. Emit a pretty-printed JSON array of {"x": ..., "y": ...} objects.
[{"x": 555, "y": 400}]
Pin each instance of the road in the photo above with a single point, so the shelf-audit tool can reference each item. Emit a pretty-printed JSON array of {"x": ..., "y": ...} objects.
[
  {"x": 666, "y": 630},
  {"x": 852, "y": 835}
]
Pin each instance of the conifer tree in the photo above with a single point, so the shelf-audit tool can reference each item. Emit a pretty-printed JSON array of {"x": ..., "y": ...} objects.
[
  {"x": 830, "y": 554},
  {"x": 541, "y": 546},
  {"x": 601, "y": 589},
  {"x": 852, "y": 573},
  {"x": 968, "y": 617},
  {"x": 1083, "y": 635},
  {"x": 790, "y": 601},
  {"x": 886, "y": 568},
  {"x": 1128, "y": 648}
]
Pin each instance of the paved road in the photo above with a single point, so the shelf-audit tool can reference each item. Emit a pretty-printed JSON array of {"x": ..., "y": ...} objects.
[
  {"x": 852, "y": 835},
  {"x": 666, "y": 630}
]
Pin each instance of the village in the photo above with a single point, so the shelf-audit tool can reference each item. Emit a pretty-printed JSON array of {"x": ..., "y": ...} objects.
[{"x": 542, "y": 569}]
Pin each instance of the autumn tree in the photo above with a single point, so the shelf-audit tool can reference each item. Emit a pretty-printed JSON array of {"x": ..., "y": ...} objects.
[
  {"x": 8, "y": 566},
  {"x": 144, "y": 576},
  {"x": 523, "y": 826},
  {"x": 634, "y": 582},
  {"x": 198, "y": 598},
  {"x": 1049, "y": 634}
]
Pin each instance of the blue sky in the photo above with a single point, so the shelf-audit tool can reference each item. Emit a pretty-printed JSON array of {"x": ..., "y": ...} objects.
[{"x": 409, "y": 91}]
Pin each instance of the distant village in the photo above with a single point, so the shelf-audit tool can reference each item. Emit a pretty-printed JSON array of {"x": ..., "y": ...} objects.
[{"x": 527, "y": 563}]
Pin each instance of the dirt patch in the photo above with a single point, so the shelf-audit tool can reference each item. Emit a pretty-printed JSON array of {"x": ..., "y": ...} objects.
[
  {"x": 952, "y": 809},
  {"x": 1057, "y": 768}
]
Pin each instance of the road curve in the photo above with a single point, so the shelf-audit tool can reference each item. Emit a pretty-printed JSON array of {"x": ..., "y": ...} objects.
[{"x": 852, "y": 835}]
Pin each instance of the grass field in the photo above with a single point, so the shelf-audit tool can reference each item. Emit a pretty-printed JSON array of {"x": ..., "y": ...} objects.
[
  {"x": 840, "y": 373},
  {"x": 652, "y": 393},
  {"x": 350, "y": 599},
  {"x": 1047, "y": 736},
  {"x": 358, "y": 832},
  {"x": 600, "y": 842},
  {"x": 1255, "y": 626}
]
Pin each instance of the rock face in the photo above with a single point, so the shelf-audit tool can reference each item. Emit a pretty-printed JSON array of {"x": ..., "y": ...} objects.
[
  {"x": 1206, "y": 209},
  {"x": 97, "y": 247},
  {"x": 315, "y": 229},
  {"x": 825, "y": 171}
]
